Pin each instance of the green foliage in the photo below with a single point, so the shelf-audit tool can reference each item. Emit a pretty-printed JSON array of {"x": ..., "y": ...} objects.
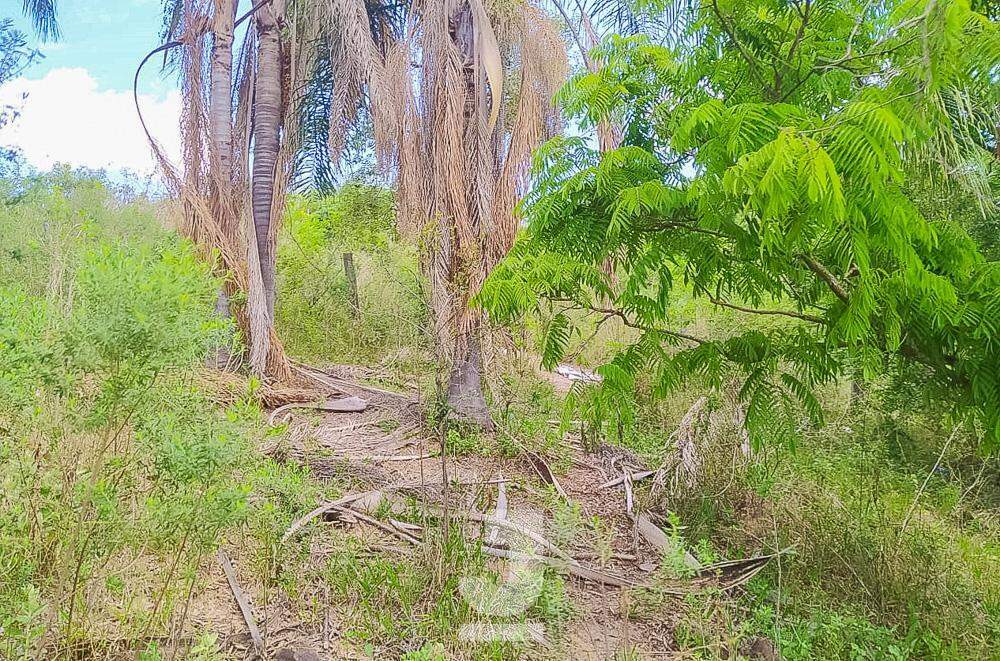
[
  {"x": 355, "y": 217},
  {"x": 116, "y": 473},
  {"x": 461, "y": 441},
  {"x": 554, "y": 605},
  {"x": 771, "y": 164},
  {"x": 859, "y": 583},
  {"x": 429, "y": 652},
  {"x": 314, "y": 314}
]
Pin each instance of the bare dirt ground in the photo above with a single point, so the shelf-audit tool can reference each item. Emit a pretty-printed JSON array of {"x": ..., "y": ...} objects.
[{"x": 387, "y": 450}]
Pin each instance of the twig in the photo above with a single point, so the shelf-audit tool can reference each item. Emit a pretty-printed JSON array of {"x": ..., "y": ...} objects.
[
  {"x": 731, "y": 33},
  {"x": 403, "y": 457},
  {"x": 920, "y": 491},
  {"x": 241, "y": 600},
  {"x": 783, "y": 313},
  {"x": 405, "y": 536},
  {"x": 299, "y": 523},
  {"x": 640, "y": 475},
  {"x": 500, "y": 512}
]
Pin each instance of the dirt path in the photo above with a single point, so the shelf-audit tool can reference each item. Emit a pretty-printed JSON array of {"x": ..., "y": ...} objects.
[{"x": 386, "y": 448}]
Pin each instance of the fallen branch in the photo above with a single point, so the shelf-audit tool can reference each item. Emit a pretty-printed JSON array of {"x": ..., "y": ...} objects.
[
  {"x": 403, "y": 457},
  {"x": 730, "y": 574},
  {"x": 241, "y": 601},
  {"x": 545, "y": 472},
  {"x": 299, "y": 523},
  {"x": 374, "y": 496},
  {"x": 404, "y": 526},
  {"x": 399, "y": 486},
  {"x": 640, "y": 475},
  {"x": 405, "y": 536},
  {"x": 342, "y": 405},
  {"x": 629, "y": 501},
  {"x": 500, "y": 512},
  {"x": 594, "y": 555},
  {"x": 338, "y": 383},
  {"x": 351, "y": 427},
  {"x": 509, "y": 525}
]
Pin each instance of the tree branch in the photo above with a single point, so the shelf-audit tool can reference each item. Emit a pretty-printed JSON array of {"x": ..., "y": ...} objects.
[
  {"x": 799, "y": 34},
  {"x": 824, "y": 273},
  {"x": 784, "y": 313},
  {"x": 669, "y": 224},
  {"x": 575, "y": 32},
  {"x": 613, "y": 312},
  {"x": 631, "y": 324},
  {"x": 731, "y": 33}
]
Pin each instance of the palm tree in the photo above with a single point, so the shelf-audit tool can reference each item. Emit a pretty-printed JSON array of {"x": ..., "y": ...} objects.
[
  {"x": 266, "y": 141},
  {"x": 236, "y": 156},
  {"x": 459, "y": 93},
  {"x": 42, "y": 14}
]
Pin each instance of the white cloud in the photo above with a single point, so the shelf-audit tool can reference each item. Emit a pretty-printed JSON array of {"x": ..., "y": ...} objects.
[{"x": 65, "y": 119}]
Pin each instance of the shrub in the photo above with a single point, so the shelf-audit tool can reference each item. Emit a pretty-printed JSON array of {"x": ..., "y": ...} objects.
[
  {"x": 116, "y": 472},
  {"x": 314, "y": 312}
]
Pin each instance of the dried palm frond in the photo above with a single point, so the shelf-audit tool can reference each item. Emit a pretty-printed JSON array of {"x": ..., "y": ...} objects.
[
  {"x": 215, "y": 200},
  {"x": 681, "y": 469}
]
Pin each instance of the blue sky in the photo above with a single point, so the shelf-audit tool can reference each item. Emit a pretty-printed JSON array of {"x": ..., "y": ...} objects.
[
  {"x": 76, "y": 102},
  {"x": 105, "y": 37}
]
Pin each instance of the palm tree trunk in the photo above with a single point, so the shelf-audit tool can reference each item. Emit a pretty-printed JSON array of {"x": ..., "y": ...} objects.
[
  {"x": 266, "y": 138},
  {"x": 220, "y": 109},
  {"x": 220, "y": 133},
  {"x": 465, "y": 397},
  {"x": 465, "y": 382}
]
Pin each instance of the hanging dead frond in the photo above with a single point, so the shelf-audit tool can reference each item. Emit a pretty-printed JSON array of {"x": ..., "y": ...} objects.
[
  {"x": 450, "y": 131},
  {"x": 682, "y": 467},
  {"x": 214, "y": 181}
]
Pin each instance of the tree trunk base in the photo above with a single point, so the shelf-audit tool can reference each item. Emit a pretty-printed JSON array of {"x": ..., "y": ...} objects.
[{"x": 466, "y": 402}]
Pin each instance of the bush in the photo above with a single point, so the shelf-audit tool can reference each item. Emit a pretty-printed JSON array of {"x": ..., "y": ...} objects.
[
  {"x": 858, "y": 584},
  {"x": 314, "y": 311},
  {"x": 116, "y": 472}
]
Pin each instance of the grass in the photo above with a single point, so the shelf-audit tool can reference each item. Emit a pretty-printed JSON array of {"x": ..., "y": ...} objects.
[{"x": 858, "y": 584}]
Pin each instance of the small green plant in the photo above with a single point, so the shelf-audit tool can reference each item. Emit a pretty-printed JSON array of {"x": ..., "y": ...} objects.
[
  {"x": 674, "y": 561},
  {"x": 429, "y": 652},
  {"x": 603, "y": 535},
  {"x": 207, "y": 648},
  {"x": 462, "y": 440},
  {"x": 554, "y": 605},
  {"x": 568, "y": 522}
]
